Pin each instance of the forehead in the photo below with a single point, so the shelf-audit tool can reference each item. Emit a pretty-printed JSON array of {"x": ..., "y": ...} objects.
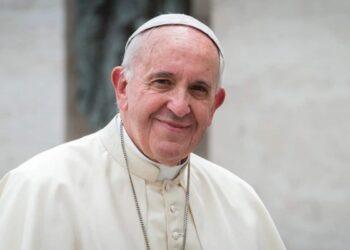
[
  {"x": 166, "y": 43},
  {"x": 179, "y": 50}
]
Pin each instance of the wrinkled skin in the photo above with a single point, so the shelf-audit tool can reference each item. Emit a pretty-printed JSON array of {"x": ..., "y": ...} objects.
[{"x": 172, "y": 95}]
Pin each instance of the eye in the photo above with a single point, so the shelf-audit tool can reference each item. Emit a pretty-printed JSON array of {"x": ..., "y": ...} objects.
[
  {"x": 161, "y": 83},
  {"x": 199, "y": 91}
]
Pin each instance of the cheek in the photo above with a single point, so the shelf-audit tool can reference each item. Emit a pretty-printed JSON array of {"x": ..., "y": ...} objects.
[
  {"x": 134, "y": 100},
  {"x": 210, "y": 115},
  {"x": 210, "y": 119},
  {"x": 204, "y": 116},
  {"x": 122, "y": 104}
]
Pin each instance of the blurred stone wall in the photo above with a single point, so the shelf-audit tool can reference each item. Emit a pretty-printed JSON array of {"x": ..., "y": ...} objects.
[
  {"x": 31, "y": 79},
  {"x": 285, "y": 125}
]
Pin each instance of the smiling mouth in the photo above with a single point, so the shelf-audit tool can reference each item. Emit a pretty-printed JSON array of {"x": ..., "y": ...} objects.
[{"x": 175, "y": 125}]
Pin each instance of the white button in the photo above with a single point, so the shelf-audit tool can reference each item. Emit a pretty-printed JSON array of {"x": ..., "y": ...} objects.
[
  {"x": 173, "y": 209},
  {"x": 176, "y": 235},
  {"x": 167, "y": 186}
]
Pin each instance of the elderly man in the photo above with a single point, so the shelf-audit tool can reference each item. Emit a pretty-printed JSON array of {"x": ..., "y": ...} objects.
[{"x": 135, "y": 184}]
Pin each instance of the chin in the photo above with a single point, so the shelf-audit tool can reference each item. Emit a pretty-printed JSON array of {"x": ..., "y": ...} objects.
[{"x": 170, "y": 154}]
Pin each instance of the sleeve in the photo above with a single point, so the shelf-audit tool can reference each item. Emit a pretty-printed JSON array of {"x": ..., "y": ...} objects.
[{"x": 35, "y": 214}]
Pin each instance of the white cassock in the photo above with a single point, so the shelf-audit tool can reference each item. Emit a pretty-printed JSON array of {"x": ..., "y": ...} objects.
[{"x": 78, "y": 196}]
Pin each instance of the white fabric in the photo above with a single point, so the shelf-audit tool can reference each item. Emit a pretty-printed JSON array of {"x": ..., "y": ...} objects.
[{"x": 77, "y": 196}]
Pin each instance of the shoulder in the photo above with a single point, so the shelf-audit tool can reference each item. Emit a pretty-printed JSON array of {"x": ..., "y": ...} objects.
[
  {"x": 228, "y": 202},
  {"x": 220, "y": 180},
  {"x": 73, "y": 165},
  {"x": 212, "y": 172},
  {"x": 59, "y": 164},
  {"x": 50, "y": 187}
]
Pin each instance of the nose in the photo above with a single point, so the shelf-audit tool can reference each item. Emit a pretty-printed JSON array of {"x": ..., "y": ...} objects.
[{"x": 178, "y": 104}]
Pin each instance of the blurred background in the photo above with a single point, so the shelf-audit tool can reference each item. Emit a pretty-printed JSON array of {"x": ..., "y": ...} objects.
[{"x": 285, "y": 125}]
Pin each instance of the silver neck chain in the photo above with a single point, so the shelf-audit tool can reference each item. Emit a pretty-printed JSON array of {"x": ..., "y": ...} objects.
[{"x": 187, "y": 197}]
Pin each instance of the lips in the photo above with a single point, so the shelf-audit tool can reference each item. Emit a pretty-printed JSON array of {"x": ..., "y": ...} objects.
[{"x": 175, "y": 125}]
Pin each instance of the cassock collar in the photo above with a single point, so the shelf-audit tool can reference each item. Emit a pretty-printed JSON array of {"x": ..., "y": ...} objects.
[{"x": 139, "y": 164}]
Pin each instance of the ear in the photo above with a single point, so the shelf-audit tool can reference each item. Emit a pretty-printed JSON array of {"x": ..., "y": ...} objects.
[
  {"x": 119, "y": 85},
  {"x": 219, "y": 100}
]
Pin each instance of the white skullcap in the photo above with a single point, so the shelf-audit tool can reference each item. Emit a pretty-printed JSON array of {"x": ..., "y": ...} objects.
[{"x": 178, "y": 19}]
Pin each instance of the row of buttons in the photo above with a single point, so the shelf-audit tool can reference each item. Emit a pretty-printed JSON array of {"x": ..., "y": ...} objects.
[{"x": 170, "y": 187}]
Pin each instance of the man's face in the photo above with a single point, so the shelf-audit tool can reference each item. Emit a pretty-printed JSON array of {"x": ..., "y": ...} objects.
[{"x": 171, "y": 96}]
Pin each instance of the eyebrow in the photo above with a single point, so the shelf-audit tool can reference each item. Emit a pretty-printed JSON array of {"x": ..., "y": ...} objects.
[{"x": 164, "y": 74}]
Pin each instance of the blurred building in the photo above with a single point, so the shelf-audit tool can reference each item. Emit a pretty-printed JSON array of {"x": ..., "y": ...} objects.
[{"x": 285, "y": 125}]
